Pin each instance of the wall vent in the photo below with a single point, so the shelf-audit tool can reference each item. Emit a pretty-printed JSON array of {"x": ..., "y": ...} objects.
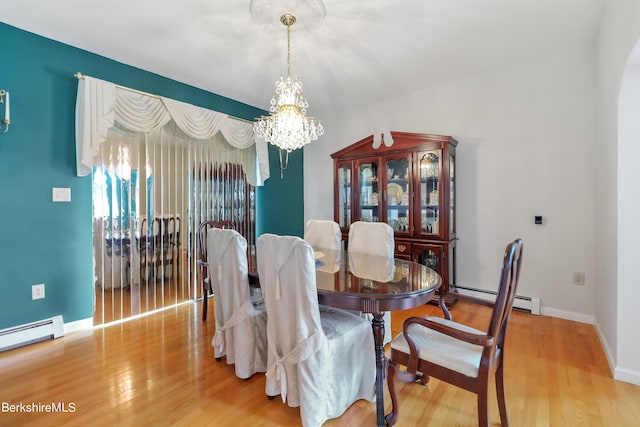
[
  {"x": 524, "y": 303},
  {"x": 29, "y": 333}
]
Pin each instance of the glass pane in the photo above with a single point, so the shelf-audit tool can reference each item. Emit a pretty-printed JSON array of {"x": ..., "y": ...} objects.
[
  {"x": 430, "y": 259},
  {"x": 430, "y": 167},
  {"x": 398, "y": 212},
  {"x": 452, "y": 194},
  {"x": 369, "y": 194},
  {"x": 344, "y": 196}
]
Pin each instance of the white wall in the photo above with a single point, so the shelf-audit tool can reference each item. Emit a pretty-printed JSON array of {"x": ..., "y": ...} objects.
[
  {"x": 618, "y": 246},
  {"x": 629, "y": 214},
  {"x": 526, "y": 147}
]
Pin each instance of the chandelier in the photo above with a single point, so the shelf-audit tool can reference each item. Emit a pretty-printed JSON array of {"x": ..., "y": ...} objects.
[{"x": 288, "y": 126}]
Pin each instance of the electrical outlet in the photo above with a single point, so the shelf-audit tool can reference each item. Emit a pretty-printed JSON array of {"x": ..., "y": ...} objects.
[
  {"x": 37, "y": 291},
  {"x": 578, "y": 278}
]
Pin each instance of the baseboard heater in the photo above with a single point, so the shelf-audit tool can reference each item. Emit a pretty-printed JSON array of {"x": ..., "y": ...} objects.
[
  {"x": 529, "y": 304},
  {"x": 18, "y": 336}
]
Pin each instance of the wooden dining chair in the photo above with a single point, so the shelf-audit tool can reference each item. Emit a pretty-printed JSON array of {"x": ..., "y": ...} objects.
[
  {"x": 169, "y": 248},
  {"x": 154, "y": 250},
  {"x": 456, "y": 353},
  {"x": 202, "y": 259}
]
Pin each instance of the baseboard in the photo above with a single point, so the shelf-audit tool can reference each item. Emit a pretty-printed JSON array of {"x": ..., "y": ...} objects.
[
  {"x": 627, "y": 375},
  {"x": 524, "y": 303},
  {"x": 568, "y": 315},
  {"x": 620, "y": 374},
  {"x": 78, "y": 325},
  {"x": 605, "y": 346}
]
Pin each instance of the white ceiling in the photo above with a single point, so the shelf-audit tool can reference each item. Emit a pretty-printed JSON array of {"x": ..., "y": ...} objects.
[{"x": 363, "y": 52}]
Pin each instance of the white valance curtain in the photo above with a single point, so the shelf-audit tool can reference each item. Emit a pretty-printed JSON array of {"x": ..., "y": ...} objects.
[{"x": 101, "y": 104}]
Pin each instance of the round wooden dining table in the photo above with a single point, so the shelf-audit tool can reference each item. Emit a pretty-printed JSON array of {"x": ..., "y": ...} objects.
[{"x": 375, "y": 285}]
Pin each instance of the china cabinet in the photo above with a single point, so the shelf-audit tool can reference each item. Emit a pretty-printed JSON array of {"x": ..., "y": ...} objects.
[{"x": 409, "y": 184}]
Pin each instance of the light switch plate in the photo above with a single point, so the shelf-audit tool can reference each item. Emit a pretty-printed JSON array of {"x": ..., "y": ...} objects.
[
  {"x": 37, "y": 291},
  {"x": 61, "y": 194}
]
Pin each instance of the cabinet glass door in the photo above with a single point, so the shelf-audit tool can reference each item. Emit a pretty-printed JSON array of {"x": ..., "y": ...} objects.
[
  {"x": 433, "y": 257},
  {"x": 430, "y": 195},
  {"x": 398, "y": 194},
  {"x": 344, "y": 195},
  {"x": 368, "y": 179},
  {"x": 452, "y": 195},
  {"x": 429, "y": 256}
]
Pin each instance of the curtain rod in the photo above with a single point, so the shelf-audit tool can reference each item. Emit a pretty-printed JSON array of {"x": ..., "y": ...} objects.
[{"x": 80, "y": 76}]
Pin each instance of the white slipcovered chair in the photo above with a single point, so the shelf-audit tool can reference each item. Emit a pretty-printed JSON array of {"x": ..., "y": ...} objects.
[
  {"x": 320, "y": 358},
  {"x": 373, "y": 238},
  {"x": 202, "y": 260},
  {"x": 372, "y": 267},
  {"x": 323, "y": 234},
  {"x": 241, "y": 324}
]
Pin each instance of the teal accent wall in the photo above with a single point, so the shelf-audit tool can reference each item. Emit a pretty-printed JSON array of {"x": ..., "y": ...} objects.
[
  {"x": 51, "y": 243},
  {"x": 280, "y": 205}
]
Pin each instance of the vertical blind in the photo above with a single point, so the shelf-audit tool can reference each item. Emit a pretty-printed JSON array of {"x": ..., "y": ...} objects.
[
  {"x": 150, "y": 193},
  {"x": 159, "y": 168}
]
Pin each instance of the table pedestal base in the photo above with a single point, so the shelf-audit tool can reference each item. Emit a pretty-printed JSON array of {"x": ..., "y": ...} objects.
[{"x": 377, "y": 324}]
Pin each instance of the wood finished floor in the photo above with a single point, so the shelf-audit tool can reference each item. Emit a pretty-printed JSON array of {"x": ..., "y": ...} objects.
[
  {"x": 120, "y": 303},
  {"x": 159, "y": 370}
]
